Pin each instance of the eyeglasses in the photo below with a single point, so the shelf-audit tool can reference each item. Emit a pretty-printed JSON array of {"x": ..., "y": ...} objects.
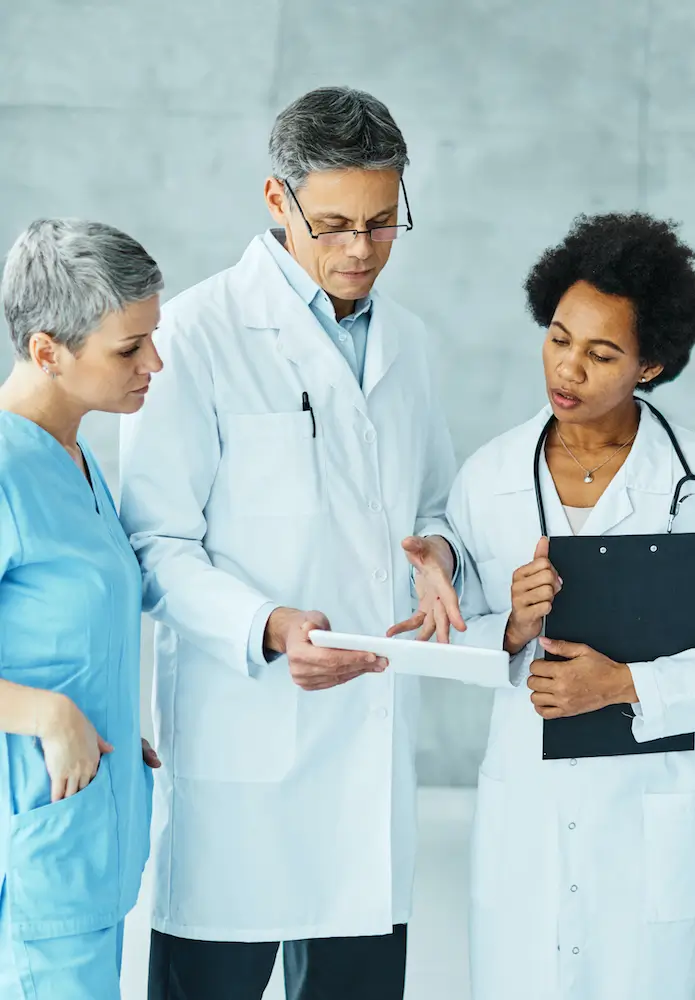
[{"x": 339, "y": 237}]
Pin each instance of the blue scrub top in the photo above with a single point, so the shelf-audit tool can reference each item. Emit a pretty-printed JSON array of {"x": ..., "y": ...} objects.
[{"x": 70, "y": 603}]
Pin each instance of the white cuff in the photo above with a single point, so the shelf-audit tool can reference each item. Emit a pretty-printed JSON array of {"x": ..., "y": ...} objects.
[
  {"x": 520, "y": 663},
  {"x": 648, "y": 723}
]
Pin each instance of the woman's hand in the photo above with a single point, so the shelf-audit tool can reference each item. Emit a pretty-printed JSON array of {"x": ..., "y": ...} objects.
[
  {"x": 149, "y": 755},
  {"x": 433, "y": 562},
  {"x": 584, "y": 682},
  {"x": 534, "y": 588},
  {"x": 72, "y": 748}
]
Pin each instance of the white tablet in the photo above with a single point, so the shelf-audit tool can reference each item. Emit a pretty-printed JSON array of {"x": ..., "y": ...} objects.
[{"x": 468, "y": 664}]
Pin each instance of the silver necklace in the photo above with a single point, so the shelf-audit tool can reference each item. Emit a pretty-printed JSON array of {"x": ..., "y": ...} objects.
[{"x": 589, "y": 473}]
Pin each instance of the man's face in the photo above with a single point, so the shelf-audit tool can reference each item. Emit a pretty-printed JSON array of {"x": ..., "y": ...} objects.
[{"x": 333, "y": 200}]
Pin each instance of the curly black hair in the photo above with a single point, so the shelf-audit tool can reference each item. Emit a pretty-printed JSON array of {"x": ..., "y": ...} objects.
[{"x": 639, "y": 258}]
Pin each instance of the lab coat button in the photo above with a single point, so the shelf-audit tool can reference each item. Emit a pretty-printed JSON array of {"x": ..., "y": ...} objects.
[
  {"x": 573, "y": 888},
  {"x": 375, "y": 506},
  {"x": 381, "y": 713},
  {"x": 342, "y": 337},
  {"x": 370, "y": 436},
  {"x": 380, "y": 575},
  {"x": 572, "y": 826},
  {"x": 575, "y": 951},
  {"x": 573, "y": 761}
]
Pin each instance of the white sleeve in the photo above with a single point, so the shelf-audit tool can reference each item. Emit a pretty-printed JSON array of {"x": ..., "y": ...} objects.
[
  {"x": 485, "y": 628},
  {"x": 170, "y": 452},
  {"x": 666, "y": 691}
]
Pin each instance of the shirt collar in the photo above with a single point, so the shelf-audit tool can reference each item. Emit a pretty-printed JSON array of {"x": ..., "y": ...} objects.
[{"x": 302, "y": 282}]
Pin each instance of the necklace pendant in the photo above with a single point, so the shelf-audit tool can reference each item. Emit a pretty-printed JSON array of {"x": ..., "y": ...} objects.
[{"x": 588, "y": 478}]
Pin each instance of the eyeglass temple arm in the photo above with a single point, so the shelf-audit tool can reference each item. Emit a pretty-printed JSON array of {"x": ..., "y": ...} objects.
[
  {"x": 306, "y": 221},
  {"x": 407, "y": 204}
]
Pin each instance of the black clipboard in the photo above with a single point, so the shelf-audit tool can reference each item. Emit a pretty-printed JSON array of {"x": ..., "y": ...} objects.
[{"x": 630, "y": 597}]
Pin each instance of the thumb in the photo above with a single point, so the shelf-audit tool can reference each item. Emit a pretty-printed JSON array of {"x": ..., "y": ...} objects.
[
  {"x": 414, "y": 548},
  {"x": 543, "y": 548},
  {"x": 558, "y": 647},
  {"x": 103, "y": 746}
]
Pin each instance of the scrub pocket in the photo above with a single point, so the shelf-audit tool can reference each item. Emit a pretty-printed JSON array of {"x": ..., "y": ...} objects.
[
  {"x": 63, "y": 872},
  {"x": 669, "y": 834}
]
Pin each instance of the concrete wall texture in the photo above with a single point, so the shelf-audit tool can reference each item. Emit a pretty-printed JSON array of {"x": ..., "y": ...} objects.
[{"x": 153, "y": 115}]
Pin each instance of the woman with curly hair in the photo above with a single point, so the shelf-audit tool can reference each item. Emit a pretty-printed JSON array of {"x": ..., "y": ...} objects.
[{"x": 583, "y": 881}]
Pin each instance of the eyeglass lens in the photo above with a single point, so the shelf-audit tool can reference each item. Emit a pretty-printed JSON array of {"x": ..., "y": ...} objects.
[{"x": 381, "y": 234}]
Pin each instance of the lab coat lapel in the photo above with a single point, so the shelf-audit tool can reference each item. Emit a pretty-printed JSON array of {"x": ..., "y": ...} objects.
[
  {"x": 302, "y": 340},
  {"x": 270, "y": 302},
  {"x": 612, "y": 508},
  {"x": 645, "y": 470},
  {"x": 640, "y": 471},
  {"x": 382, "y": 344}
]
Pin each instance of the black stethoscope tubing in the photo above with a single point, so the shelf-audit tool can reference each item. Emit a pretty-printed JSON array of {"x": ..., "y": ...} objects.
[{"x": 677, "y": 499}]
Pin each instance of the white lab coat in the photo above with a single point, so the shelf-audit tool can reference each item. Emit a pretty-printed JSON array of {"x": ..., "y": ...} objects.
[
  {"x": 280, "y": 814},
  {"x": 583, "y": 871}
]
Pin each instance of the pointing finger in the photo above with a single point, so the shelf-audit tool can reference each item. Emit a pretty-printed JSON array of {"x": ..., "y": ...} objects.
[
  {"x": 441, "y": 623},
  {"x": 544, "y": 668},
  {"x": 407, "y": 626}
]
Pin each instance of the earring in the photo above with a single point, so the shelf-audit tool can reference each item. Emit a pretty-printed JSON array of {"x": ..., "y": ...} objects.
[
  {"x": 643, "y": 379},
  {"x": 47, "y": 370}
]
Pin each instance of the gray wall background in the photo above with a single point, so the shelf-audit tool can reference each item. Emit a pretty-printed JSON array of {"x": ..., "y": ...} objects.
[{"x": 153, "y": 115}]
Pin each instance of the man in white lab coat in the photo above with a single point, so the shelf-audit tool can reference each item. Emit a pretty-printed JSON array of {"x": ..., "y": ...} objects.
[{"x": 291, "y": 443}]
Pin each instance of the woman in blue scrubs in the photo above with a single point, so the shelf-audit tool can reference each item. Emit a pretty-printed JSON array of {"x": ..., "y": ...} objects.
[{"x": 81, "y": 301}]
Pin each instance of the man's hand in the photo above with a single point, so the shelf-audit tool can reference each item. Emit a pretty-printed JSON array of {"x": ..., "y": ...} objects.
[
  {"x": 439, "y": 604},
  {"x": 314, "y": 668},
  {"x": 534, "y": 588},
  {"x": 584, "y": 682}
]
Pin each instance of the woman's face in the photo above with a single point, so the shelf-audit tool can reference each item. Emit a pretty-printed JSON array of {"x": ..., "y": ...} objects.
[
  {"x": 112, "y": 371},
  {"x": 591, "y": 355}
]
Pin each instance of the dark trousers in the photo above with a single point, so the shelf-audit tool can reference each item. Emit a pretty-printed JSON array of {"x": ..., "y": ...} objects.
[{"x": 360, "y": 968}]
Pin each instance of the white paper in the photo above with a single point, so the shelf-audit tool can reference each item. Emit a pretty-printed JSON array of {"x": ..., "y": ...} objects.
[{"x": 468, "y": 664}]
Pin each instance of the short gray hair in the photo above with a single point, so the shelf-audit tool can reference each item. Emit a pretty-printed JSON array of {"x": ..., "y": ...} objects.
[
  {"x": 62, "y": 276},
  {"x": 335, "y": 128}
]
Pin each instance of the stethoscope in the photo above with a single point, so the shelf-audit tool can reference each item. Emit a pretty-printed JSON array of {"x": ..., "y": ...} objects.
[{"x": 677, "y": 498}]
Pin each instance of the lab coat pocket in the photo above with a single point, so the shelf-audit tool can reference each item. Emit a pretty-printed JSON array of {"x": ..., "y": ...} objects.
[
  {"x": 669, "y": 833},
  {"x": 234, "y": 727},
  {"x": 63, "y": 865},
  {"x": 273, "y": 463},
  {"x": 488, "y": 841}
]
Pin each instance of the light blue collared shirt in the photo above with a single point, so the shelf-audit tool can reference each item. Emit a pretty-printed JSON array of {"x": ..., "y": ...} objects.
[
  {"x": 350, "y": 334},
  {"x": 350, "y": 337}
]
